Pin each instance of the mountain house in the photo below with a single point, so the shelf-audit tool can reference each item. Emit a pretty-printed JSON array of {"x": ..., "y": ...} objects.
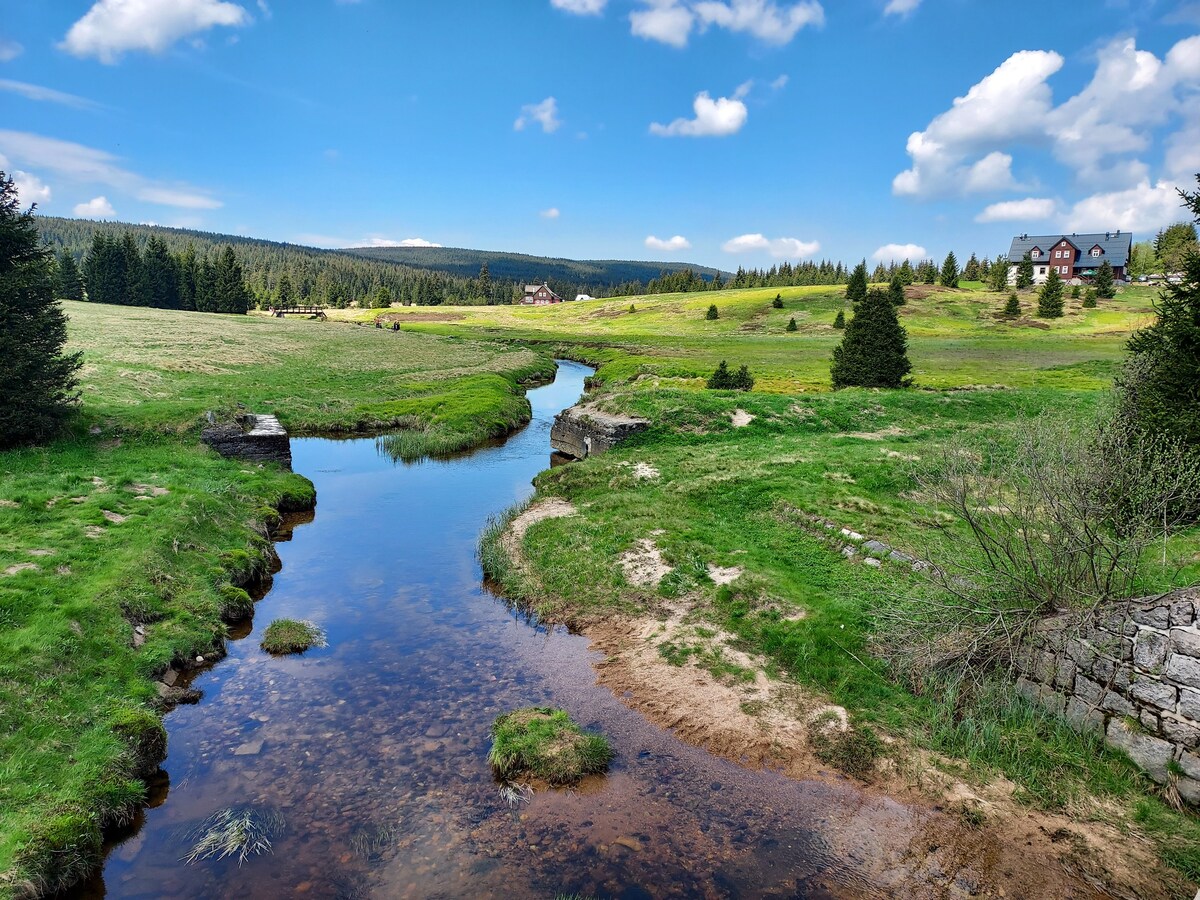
[
  {"x": 540, "y": 295},
  {"x": 1075, "y": 256}
]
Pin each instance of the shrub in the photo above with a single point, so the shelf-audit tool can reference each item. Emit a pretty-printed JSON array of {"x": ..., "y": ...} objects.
[
  {"x": 1089, "y": 299},
  {"x": 292, "y": 636},
  {"x": 1075, "y": 292},
  {"x": 874, "y": 352},
  {"x": 544, "y": 743},
  {"x": 713, "y": 314},
  {"x": 724, "y": 380},
  {"x": 777, "y": 303},
  {"x": 791, "y": 325}
]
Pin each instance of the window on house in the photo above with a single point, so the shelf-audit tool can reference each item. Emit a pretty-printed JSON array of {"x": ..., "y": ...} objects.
[
  {"x": 1042, "y": 270},
  {"x": 1096, "y": 251},
  {"x": 1036, "y": 253}
]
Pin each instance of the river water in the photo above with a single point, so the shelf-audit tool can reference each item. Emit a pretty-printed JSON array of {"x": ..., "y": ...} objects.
[{"x": 372, "y": 752}]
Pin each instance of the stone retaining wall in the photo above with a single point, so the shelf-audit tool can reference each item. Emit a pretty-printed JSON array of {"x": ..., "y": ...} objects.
[
  {"x": 582, "y": 431},
  {"x": 256, "y": 438},
  {"x": 1131, "y": 670}
]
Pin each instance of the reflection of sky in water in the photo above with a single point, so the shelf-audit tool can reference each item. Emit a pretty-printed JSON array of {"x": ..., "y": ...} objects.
[{"x": 374, "y": 749}]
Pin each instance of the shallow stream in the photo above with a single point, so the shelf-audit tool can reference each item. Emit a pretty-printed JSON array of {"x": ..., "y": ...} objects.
[{"x": 372, "y": 751}]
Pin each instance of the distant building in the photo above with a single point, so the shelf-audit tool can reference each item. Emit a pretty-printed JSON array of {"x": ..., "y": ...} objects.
[
  {"x": 580, "y": 297},
  {"x": 540, "y": 295},
  {"x": 1075, "y": 256}
]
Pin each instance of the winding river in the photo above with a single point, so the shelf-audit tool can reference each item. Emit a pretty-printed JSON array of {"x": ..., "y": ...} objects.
[{"x": 372, "y": 751}]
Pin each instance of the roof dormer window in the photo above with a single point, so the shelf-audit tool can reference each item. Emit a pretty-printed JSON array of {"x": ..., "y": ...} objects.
[
  {"x": 1035, "y": 253},
  {"x": 1095, "y": 251}
]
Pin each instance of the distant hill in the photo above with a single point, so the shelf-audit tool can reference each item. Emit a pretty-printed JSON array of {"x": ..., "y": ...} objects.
[{"x": 522, "y": 267}]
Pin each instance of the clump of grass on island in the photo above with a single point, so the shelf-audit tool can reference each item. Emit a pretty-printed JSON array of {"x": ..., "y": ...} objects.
[
  {"x": 285, "y": 636},
  {"x": 237, "y": 831},
  {"x": 544, "y": 743}
]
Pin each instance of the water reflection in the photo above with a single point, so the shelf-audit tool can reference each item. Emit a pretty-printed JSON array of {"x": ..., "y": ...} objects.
[{"x": 373, "y": 750}]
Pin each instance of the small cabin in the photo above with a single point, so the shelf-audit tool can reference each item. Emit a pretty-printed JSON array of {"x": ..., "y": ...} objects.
[{"x": 540, "y": 295}]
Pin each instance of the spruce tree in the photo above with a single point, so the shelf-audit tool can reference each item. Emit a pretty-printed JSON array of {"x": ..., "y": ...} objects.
[
  {"x": 970, "y": 271},
  {"x": 1089, "y": 298},
  {"x": 382, "y": 298},
  {"x": 186, "y": 269},
  {"x": 1012, "y": 308},
  {"x": 712, "y": 315},
  {"x": 880, "y": 275},
  {"x": 1050, "y": 298},
  {"x": 229, "y": 288},
  {"x": 906, "y": 273},
  {"x": 856, "y": 287},
  {"x": 1076, "y": 293},
  {"x": 135, "y": 293},
  {"x": 742, "y": 379},
  {"x": 1025, "y": 272},
  {"x": 791, "y": 325},
  {"x": 160, "y": 276},
  {"x": 949, "y": 273},
  {"x": 998, "y": 274},
  {"x": 839, "y": 320},
  {"x": 896, "y": 291},
  {"x": 284, "y": 295},
  {"x": 874, "y": 352},
  {"x": 1105, "y": 287},
  {"x": 931, "y": 272},
  {"x": 721, "y": 379},
  {"x": 68, "y": 282},
  {"x": 777, "y": 303},
  {"x": 38, "y": 387}
]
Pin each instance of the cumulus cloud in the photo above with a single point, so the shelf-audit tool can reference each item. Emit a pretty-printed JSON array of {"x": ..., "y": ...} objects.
[
  {"x": 30, "y": 188},
  {"x": 901, "y": 7},
  {"x": 44, "y": 94},
  {"x": 672, "y": 21},
  {"x": 407, "y": 242},
  {"x": 1145, "y": 207},
  {"x": 544, "y": 114},
  {"x": 669, "y": 245},
  {"x": 9, "y": 50},
  {"x": 714, "y": 118},
  {"x": 96, "y": 208},
  {"x": 580, "y": 7},
  {"x": 551, "y": 213},
  {"x": 112, "y": 28},
  {"x": 790, "y": 248},
  {"x": 86, "y": 165},
  {"x": 899, "y": 253},
  {"x": 1029, "y": 209}
]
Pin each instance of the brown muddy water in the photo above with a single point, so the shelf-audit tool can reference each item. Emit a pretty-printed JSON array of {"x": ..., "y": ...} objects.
[{"x": 372, "y": 751}]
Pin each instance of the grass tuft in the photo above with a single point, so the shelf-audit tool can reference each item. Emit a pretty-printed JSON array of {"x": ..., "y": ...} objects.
[
  {"x": 292, "y": 636},
  {"x": 544, "y": 743},
  {"x": 237, "y": 831}
]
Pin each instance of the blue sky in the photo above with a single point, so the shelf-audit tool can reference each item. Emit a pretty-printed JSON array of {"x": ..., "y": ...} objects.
[{"x": 724, "y": 132}]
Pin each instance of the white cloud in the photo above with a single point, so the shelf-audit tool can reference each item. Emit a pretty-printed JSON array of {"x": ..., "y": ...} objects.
[
  {"x": 791, "y": 248},
  {"x": 779, "y": 83},
  {"x": 265, "y": 9},
  {"x": 580, "y": 7},
  {"x": 113, "y": 27},
  {"x": 901, "y": 7},
  {"x": 761, "y": 18},
  {"x": 714, "y": 118},
  {"x": 899, "y": 253},
  {"x": 9, "y": 50},
  {"x": 86, "y": 165},
  {"x": 669, "y": 245},
  {"x": 30, "y": 188},
  {"x": 544, "y": 114},
  {"x": 45, "y": 94},
  {"x": 373, "y": 240},
  {"x": 551, "y": 213},
  {"x": 1028, "y": 210},
  {"x": 407, "y": 242},
  {"x": 664, "y": 21},
  {"x": 1144, "y": 208},
  {"x": 96, "y": 208}
]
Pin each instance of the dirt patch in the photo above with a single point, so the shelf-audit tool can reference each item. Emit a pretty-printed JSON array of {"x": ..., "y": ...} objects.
[
  {"x": 644, "y": 565},
  {"x": 93, "y": 531},
  {"x": 724, "y": 576},
  {"x": 740, "y": 418},
  {"x": 41, "y": 552},
  {"x": 905, "y": 457},
  {"x": 9, "y": 504},
  {"x": 115, "y": 518},
  {"x": 882, "y": 434},
  {"x": 645, "y": 472},
  {"x": 20, "y": 567},
  {"x": 148, "y": 490}
]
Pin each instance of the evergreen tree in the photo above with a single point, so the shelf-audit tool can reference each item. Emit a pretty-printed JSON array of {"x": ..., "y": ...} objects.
[
  {"x": 68, "y": 281},
  {"x": 777, "y": 303},
  {"x": 1089, "y": 299},
  {"x": 971, "y": 269},
  {"x": 186, "y": 268},
  {"x": 1174, "y": 245},
  {"x": 1075, "y": 292},
  {"x": 791, "y": 325},
  {"x": 1025, "y": 272},
  {"x": 229, "y": 288},
  {"x": 1012, "y": 308},
  {"x": 880, "y": 275},
  {"x": 485, "y": 282},
  {"x": 160, "y": 276},
  {"x": 949, "y": 273},
  {"x": 721, "y": 379},
  {"x": 839, "y": 321},
  {"x": 382, "y": 298},
  {"x": 104, "y": 271},
  {"x": 135, "y": 293},
  {"x": 998, "y": 274},
  {"x": 856, "y": 287},
  {"x": 38, "y": 386},
  {"x": 985, "y": 270},
  {"x": 1105, "y": 288},
  {"x": 931, "y": 272},
  {"x": 906, "y": 273},
  {"x": 896, "y": 291},
  {"x": 1050, "y": 298},
  {"x": 874, "y": 352},
  {"x": 713, "y": 314},
  {"x": 742, "y": 379},
  {"x": 284, "y": 295},
  {"x": 206, "y": 285}
]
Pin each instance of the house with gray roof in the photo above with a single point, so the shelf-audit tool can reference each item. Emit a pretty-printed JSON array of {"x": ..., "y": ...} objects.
[{"x": 1076, "y": 256}]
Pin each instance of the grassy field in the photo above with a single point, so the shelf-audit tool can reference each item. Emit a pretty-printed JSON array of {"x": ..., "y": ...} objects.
[
  {"x": 744, "y": 497},
  {"x": 124, "y": 548}
]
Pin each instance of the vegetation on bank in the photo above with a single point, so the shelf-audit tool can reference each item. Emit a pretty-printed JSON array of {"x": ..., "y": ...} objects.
[
  {"x": 284, "y": 636},
  {"x": 539, "y": 742},
  {"x": 125, "y": 545}
]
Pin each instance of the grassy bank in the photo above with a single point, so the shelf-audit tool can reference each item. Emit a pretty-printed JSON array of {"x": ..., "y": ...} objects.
[
  {"x": 709, "y": 494},
  {"x": 126, "y": 547}
]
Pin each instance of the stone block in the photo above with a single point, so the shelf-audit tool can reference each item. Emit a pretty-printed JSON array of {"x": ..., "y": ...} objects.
[
  {"x": 1185, "y": 641},
  {"x": 1083, "y": 716},
  {"x": 256, "y": 438},
  {"x": 1064, "y": 678},
  {"x": 1081, "y": 652},
  {"x": 1150, "y": 722},
  {"x": 1183, "y": 613},
  {"x": 1189, "y": 790},
  {"x": 1150, "y": 650},
  {"x": 582, "y": 431},
  {"x": 877, "y": 547},
  {"x": 1104, "y": 669},
  {"x": 1117, "y": 705},
  {"x": 1088, "y": 691},
  {"x": 1154, "y": 693},
  {"x": 1045, "y": 667},
  {"x": 1052, "y": 701},
  {"x": 1151, "y": 754},
  {"x": 1189, "y": 704},
  {"x": 1183, "y": 670},
  {"x": 1154, "y": 615},
  {"x": 1190, "y": 763},
  {"x": 1186, "y": 734},
  {"x": 1027, "y": 689}
]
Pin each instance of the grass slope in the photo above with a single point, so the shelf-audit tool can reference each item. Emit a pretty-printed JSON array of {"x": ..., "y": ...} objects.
[{"x": 125, "y": 547}]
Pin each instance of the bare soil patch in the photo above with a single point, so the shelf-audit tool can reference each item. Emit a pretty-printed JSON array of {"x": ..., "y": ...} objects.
[
  {"x": 644, "y": 564},
  {"x": 740, "y": 418},
  {"x": 20, "y": 567},
  {"x": 726, "y": 575}
]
